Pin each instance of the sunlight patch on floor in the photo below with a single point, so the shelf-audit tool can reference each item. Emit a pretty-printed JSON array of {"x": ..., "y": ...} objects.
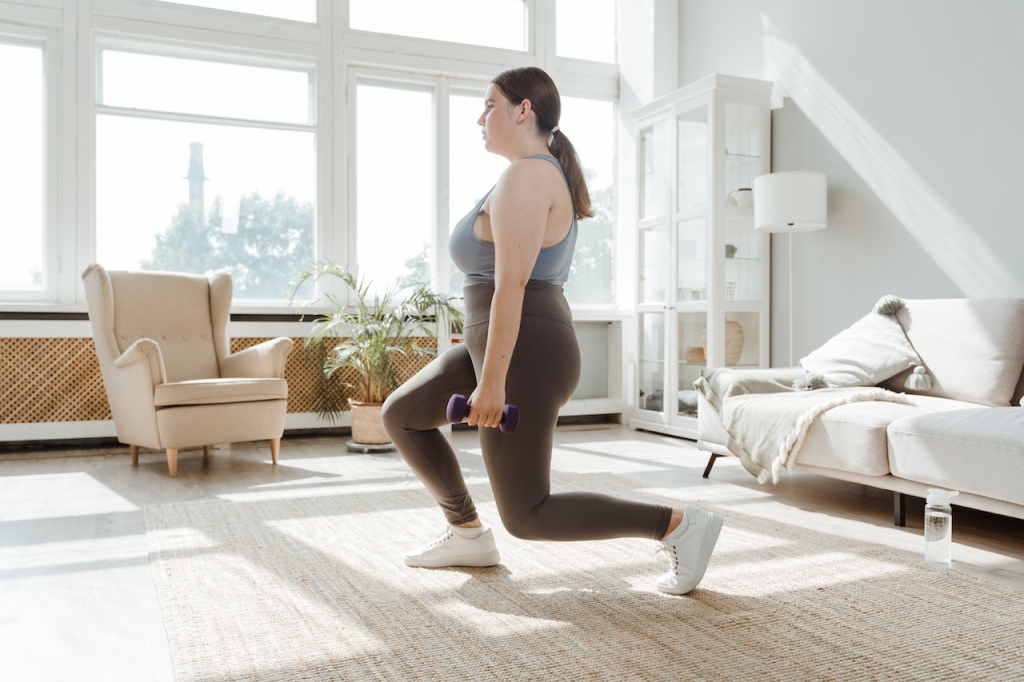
[{"x": 48, "y": 496}]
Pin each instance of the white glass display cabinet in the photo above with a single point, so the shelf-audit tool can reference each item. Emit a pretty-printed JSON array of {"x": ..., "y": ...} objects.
[{"x": 703, "y": 271}]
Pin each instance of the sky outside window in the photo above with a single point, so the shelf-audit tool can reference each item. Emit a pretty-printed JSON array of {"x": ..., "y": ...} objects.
[{"x": 21, "y": 166}]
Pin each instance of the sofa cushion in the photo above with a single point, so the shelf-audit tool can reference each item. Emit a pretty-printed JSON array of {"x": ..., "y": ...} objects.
[
  {"x": 854, "y": 437},
  {"x": 972, "y": 348},
  {"x": 978, "y": 451}
]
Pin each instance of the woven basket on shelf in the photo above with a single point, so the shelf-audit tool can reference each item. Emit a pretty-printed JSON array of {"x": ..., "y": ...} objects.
[{"x": 733, "y": 341}]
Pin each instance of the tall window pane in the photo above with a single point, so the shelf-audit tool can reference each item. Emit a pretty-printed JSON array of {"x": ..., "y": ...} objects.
[
  {"x": 590, "y": 126},
  {"x": 21, "y": 167},
  {"x": 494, "y": 23},
  {"x": 298, "y": 10},
  {"x": 394, "y": 185},
  {"x": 178, "y": 195},
  {"x": 472, "y": 169},
  {"x": 193, "y": 86},
  {"x": 585, "y": 29}
]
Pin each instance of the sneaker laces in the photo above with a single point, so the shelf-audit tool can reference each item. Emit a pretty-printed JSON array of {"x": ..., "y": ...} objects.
[
  {"x": 673, "y": 556},
  {"x": 445, "y": 535}
]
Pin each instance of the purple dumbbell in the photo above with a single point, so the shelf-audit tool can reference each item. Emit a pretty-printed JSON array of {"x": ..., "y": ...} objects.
[{"x": 458, "y": 409}]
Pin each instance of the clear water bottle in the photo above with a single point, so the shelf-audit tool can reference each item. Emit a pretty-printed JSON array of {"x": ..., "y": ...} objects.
[{"x": 938, "y": 526}]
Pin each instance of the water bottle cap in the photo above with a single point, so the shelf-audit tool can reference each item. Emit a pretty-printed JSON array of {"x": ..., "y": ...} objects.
[{"x": 939, "y": 496}]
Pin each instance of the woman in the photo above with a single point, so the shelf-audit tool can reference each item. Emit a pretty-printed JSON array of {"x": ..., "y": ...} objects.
[{"x": 515, "y": 248}]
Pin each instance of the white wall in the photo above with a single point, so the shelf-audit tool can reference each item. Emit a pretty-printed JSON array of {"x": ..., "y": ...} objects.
[{"x": 915, "y": 111}]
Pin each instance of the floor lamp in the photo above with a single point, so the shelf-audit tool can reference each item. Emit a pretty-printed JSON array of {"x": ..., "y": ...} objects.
[{"x": 791, "y": 201}]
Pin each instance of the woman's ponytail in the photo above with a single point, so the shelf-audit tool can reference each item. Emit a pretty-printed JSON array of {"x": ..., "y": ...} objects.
[{"x": 563, "y": 150}]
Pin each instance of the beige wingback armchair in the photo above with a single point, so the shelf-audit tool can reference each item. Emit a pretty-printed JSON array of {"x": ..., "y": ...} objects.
[{"x": 168, "y": 370}]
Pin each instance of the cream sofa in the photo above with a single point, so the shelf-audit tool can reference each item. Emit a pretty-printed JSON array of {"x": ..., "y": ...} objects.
[{"x": 917, "y": 394}]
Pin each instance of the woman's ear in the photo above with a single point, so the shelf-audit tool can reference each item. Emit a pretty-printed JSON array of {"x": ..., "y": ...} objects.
[{"x": 525, "y": 107}]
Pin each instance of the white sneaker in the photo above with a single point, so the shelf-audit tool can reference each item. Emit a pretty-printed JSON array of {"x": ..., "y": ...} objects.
[
  {"x": 452, "y": 549},
  {"x": 689, "y": 549}
]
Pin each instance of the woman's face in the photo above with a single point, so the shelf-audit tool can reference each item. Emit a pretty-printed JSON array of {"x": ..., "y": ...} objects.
[{"x": 498, "y": 120}]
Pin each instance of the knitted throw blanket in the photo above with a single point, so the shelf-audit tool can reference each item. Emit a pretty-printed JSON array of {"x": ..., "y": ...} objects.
[{"x": 767, "y": 430}]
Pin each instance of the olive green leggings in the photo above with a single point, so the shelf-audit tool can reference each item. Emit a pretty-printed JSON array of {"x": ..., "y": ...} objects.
[{"x": 543, "y": 374}]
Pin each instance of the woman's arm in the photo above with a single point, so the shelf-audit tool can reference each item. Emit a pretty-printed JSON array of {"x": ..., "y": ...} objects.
[{"x": 519, "y": 207}]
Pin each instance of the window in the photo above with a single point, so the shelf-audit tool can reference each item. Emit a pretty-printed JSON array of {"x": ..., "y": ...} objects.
[
  {"x": 22, "y": 182},
  {"x": 394, "y": 184},
  {"x": 590, "y": 124},
  {"x": 203, "y": 165},
  {"x": 585, "y": 29},
  {"x": 494, "y": 23},
  {"x": 256, "y": 135}
]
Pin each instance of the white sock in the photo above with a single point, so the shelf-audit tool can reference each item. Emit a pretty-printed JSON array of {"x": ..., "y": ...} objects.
[{"x": 471, "y": 533}]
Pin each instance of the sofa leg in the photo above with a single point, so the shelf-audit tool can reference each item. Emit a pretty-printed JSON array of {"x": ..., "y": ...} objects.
[
  {"x": 275, "y": 449},
  {"x": 711, "y": 463},
  {"x": 899, "y": 509},
  {"x": 134, "y": 450}
]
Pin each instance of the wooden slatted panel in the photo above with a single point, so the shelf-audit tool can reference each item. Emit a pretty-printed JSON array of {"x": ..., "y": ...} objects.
[{"x": 59, "y": 380}]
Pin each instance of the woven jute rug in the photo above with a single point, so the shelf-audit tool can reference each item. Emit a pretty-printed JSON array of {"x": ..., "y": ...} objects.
[{"x": 308, "y": 584}]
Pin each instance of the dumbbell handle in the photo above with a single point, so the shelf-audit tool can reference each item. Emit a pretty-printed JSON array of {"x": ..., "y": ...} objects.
[{"x": 458, "y": 409}]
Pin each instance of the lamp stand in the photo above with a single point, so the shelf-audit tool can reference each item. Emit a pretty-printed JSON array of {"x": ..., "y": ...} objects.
[{"x": 789, "y": 312}]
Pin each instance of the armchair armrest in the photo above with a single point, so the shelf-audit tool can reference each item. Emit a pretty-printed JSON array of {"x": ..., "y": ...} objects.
[
  {"x": 264, "y": 360},
  {"x": 145, "y": 351}
]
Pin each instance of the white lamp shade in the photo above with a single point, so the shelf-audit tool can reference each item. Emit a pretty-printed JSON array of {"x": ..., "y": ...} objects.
[{"x": 792, "y": 201}]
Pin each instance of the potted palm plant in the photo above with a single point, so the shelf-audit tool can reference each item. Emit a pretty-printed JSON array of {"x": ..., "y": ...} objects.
[{"x": 368, "y": 335}]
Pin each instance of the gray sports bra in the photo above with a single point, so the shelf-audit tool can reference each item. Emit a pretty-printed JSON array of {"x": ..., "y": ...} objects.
[{"x": 475, "y": 257}]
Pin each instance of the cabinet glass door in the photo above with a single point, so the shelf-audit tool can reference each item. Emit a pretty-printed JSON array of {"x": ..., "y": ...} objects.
[
  {"x": 653, "y": 228},
  {"x": 692, "y": 340},
  {"x": 651, "y": 381},
  {"x": 692, "y": 159},
  {"x": 744, "y": 147},
  {"x": 692, "y": 260}
]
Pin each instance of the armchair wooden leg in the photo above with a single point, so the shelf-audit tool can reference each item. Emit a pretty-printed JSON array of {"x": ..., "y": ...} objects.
[
  {"x": 172, "y": 462},
  {"x": 134, "y": 449},
  {"x": 275, "y": 448},
  {"x": 206, "y": 451}
]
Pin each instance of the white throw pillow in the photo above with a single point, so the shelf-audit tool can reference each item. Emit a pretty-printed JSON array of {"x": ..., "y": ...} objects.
[{"x": 873, "y": 349}]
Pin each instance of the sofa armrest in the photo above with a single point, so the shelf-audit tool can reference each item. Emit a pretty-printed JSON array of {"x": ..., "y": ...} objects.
[
  {"x": 264, "y": 360},
  {"x": 724, "y": 382}
]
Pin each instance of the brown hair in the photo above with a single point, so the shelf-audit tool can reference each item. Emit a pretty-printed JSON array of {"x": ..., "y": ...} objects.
[{"x": 534, "y": 84}]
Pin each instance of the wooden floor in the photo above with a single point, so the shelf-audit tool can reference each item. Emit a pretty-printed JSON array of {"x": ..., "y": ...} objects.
[{"x": 77, "y": 601}]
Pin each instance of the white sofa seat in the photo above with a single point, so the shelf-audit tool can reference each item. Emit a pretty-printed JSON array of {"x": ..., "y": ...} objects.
[
  {"x": 853, "y": 437},
  {"x": 961, "y": 449}
]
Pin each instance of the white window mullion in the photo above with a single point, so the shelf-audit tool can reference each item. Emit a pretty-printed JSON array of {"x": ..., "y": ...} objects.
[
  {"x": 442, "y": 185},
  {"x": 542, "y": 29}
]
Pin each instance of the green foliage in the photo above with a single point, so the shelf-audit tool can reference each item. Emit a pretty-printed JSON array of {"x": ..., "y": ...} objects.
[
  {"x": 370, "y": 334},
  {"x": 273, "y": 238}
]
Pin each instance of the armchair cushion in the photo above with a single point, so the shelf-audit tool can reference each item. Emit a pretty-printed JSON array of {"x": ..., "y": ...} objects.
[{"x": 216, "y": 391}]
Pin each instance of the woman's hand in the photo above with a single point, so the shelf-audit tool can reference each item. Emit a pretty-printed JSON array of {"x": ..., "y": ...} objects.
[{"x": 486, "y": 405}]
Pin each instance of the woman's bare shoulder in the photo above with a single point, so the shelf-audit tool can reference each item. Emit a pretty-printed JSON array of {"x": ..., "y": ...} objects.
[{"x": 531, "y": 175}]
